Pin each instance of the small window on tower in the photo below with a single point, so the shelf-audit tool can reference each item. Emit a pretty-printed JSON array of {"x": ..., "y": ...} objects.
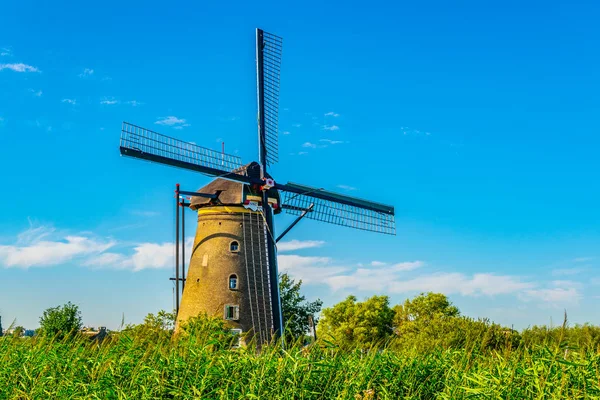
[
  {"x": 232, "y": 312},
  {"x": 233, "y": 282},
  {"x": 234, "y": 247}
]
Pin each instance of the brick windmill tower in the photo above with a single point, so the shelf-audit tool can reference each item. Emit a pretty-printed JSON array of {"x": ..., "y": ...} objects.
[{"x": 233, "y": 267}]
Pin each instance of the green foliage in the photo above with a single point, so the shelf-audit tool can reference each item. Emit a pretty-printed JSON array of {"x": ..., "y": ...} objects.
[
  {"x": 208, "y": 332},
  {"x": 424, "y": 308},
  {"x": 125, "y": 368},
  {"x": 295, "y": 308},
  {"x": 18, "y": 331},
  {"x": 430, "y": 321},
  {"x": 436, "y": 354},
  {"x": 358, "y": 324},
  {"x": 61, "y": 321}
]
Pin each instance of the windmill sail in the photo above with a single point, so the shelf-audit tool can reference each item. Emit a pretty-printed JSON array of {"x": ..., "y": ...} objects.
[
  {"x": 268, "y": 67},
  {"x": 148, "y": 145},
  {"x": 338, "y": 209}
]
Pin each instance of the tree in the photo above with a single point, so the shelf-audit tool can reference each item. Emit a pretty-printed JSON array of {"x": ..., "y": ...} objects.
[
  {"x": 61, "y": 321},
  {"x": 154, "y": 327},
  {"x": 1, "y": 326},
  {"x": 18, "y": 331},
  {"x": 295, "y": 308},
  {"x": 356, "y": 324},
  {"x": 424, "y": 308}
]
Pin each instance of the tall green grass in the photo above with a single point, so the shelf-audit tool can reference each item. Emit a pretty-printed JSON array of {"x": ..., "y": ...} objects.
[{"x": 132, "y": 365}]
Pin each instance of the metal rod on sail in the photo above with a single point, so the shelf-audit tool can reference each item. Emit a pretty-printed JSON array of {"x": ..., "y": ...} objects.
[
  {"x": 182, "y": 246},
  {"x": 177, "y": 249},
  {"x": 295, "y": 222}
]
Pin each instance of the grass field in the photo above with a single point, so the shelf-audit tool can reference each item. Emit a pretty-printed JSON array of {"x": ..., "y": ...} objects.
[{"x": 157, "y": 367}]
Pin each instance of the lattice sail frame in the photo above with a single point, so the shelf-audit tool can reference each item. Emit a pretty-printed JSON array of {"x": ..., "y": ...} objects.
[
  {"x": 269, "y": 74},
  {"x": 141, "y": 140},
  {"x": 333, "y": 212}
]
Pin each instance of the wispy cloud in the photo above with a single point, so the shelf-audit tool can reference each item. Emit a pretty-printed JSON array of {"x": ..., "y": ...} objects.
[
  {"x": 567, "y": 271},
  {"x": 36, "y": 93},
  {"x": 399, "y": 278},
  {"x": 377, "y": 264},
  {"x": 309, "y": 145},
  {"x": 86, "y": 72},
  {"x": 5, "y": 51},
  {"x": 299, "y": 244},
  {"x": 145, "y": 213},
  {"x": 331, "y": 128},
  {"x": 69, "y": 101},
  {"x": 555, "y": 296},
  {"x": 174, "y": 122},
  {"x": 41, "y": 246},
  {"x": 332, "y": 114},
  {"x": 145, "y": 256},
  {"x": 134, "y": 103},
  {"x": 346, "y": 187},
  {"x": 582, "y": 259},
  {"x": 296, "y": 125},
  {"x": 405, "y": 130},
  {"x": 332, "y": 142},
  {"x": 109, "y": 102},
  {"x": 309, "y": 269},
  {"x": 285, "y": 132},
  {"x": 20, "y": 67},
  {"x": 389, "y": 279}
]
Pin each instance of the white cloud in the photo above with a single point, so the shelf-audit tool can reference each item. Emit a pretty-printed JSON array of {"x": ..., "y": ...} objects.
[
  {"x": 383, "y": 277},
  {"x": 405, "y": 130},
  {"x": 309, "y": 145},
  {"x": 134, "y": 103},
  {"x": 109, "y": 102},
  {"x": 20, "y": 67},
  {"x": 302, "y": 153},
  {"x": 36, "y": 93},
  {"x": 106, "y": 260},
  {"x": 86, "y": 72},
  {"x": 582, "y": 259},
  {"x": 567, "y": 271},
  {"x": 309, "y": 269},
  {"x": 285, "y": 132},
  {"x": 296, "y": 125},
  {"x": 5, "y": 51},
  {"x": 331, "y": 127},
  {"x": 331, "y": 114},
  {"x": 35, "y": 249},
  {"x": 145, "y": 256},
  {"x": 299, "y": 244},
  {"x": 555, "y": 296},
  {"x": 177, "y": 123},
  {"x": 331, "y": 141},
  {"x": 69, "y": 101},
  {"x": 346, "y": 187}
]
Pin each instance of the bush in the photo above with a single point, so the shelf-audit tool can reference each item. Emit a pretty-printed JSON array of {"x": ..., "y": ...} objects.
[{"x": 61, "y": 321}]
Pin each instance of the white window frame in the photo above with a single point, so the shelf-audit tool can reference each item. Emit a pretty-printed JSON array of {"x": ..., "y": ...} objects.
[{"x": 236, "y": 312}]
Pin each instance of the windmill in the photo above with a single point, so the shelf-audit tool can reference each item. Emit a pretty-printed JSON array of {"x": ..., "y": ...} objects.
[{"x": 233, "y": 267}]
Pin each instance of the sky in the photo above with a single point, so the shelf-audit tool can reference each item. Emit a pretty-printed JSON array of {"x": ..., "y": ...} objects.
[{"x": 477, "y": 121}]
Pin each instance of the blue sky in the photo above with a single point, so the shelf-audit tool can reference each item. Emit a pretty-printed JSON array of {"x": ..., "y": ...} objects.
[{"x": 478, "y": 122}]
